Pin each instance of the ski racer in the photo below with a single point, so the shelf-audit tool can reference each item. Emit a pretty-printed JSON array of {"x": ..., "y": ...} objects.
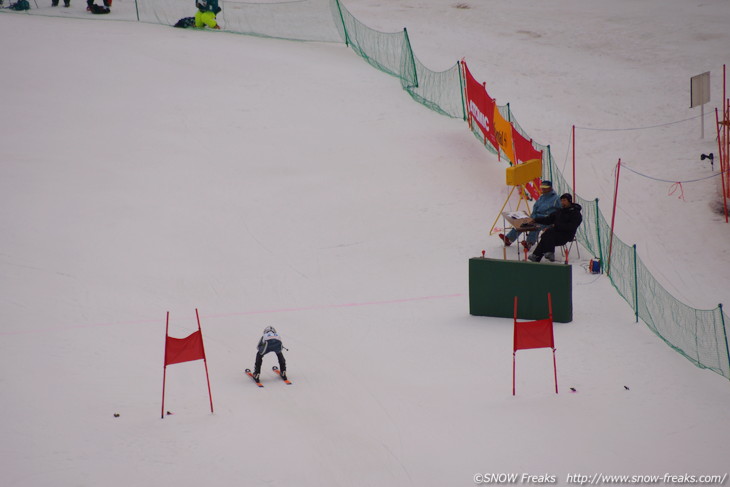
[{"x": 270, "y": 342}]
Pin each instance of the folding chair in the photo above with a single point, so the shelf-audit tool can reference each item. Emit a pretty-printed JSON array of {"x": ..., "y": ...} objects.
[{"x": 568, "y": 247}]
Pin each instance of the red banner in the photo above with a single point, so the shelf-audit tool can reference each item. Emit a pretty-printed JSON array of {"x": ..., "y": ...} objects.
[
  {"x": 524, "y": 151},
  {"x": 480, "y": 107}
]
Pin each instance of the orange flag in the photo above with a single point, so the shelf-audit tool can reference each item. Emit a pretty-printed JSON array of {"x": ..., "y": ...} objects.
[{"x": 503, "y": 130}]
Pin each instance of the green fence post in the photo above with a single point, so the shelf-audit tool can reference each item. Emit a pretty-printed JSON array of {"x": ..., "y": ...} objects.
[
  {"x": 137, "y": 9},
  {"x": 636, "y": 286},
  {"x": 411, "y": 58},
  {"x": 550, "y": 163},
  {"x": 342, "y": 19},
  {"x": 598, "y": 235},
  {"x": 724, "y": 332}
]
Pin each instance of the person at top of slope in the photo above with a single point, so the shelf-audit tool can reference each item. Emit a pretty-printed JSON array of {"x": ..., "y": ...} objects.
[{"x": 206, "y": 14}]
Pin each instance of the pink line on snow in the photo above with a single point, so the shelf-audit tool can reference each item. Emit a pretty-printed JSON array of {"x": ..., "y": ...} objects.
[
  {"x": 331, "y": 306},
  {"x": 244, "y": 313}
]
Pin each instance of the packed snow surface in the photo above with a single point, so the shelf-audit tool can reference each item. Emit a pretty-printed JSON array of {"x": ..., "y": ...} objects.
[{"x": 145, "y": 169}]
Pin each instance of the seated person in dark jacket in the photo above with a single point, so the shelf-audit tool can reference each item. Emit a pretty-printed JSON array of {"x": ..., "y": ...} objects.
[{"x": 563, "y": 225}]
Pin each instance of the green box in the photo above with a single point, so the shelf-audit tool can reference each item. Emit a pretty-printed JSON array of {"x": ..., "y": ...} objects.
[{"x": 494, "y": 283}]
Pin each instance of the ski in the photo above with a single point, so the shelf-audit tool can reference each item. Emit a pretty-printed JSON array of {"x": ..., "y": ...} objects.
[
  {"x": 278, "y": 372},
  {"x": 250, "y": 374}
]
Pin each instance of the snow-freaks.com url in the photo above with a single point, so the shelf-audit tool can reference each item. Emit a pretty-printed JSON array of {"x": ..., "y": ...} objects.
[
  {"x": 667, "y": 478},
  {"x": 599, "y": 479}
]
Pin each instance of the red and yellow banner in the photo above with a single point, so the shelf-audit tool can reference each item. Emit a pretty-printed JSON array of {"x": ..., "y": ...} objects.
[{"x": 484, "y": 114}]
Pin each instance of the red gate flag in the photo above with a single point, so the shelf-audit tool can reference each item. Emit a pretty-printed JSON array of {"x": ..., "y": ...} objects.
[
  {"x": 534, "y": 334},
  {"x": 186, "y": 349}
]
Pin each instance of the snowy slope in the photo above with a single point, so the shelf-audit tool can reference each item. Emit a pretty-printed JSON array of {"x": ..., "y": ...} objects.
[
  {"x": 603, "y": 65},
  {"x": 147, "y": 169}
]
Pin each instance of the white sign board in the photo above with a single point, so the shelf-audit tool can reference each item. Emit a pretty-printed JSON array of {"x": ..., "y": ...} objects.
[{"x": 699, "y": 89}]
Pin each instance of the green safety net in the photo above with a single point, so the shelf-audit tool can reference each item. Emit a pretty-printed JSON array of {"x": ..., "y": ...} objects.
[
  {"x": 440, "y": 91},
  {"x": 392, "y": 54},
  {"x": 699, "y": 335},
  {"x": 304, "y": 20}
]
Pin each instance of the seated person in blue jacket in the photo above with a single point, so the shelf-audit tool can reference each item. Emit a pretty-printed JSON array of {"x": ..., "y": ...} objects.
[
  {"x": 563, "y": 225},
  {"x": 546, "y": 205}
]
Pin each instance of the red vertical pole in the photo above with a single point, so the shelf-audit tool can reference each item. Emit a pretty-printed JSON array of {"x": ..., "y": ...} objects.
[
  {"x": 613, "y": 217},
  {"x": 723, "y": 164},
  {"x": 725, "y": 161},
  {"x": 555, "y": 365},
  {"x": 514, "y": 352},
  {"x": 718, "y": 125},
  {"x": 550, "y": 307},
  {"x": 164, "y": 369},
  {"x": 573, "y": 162},
  {"x": 513, "y": 372},
  {"x": 205, "y": 362},
  {"x": 727, "y": 150}
]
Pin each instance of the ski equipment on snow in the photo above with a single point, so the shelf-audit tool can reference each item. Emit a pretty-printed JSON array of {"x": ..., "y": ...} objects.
[
  {"x": 278, "y": 372},
  {"x": 250, "y": 374}
]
